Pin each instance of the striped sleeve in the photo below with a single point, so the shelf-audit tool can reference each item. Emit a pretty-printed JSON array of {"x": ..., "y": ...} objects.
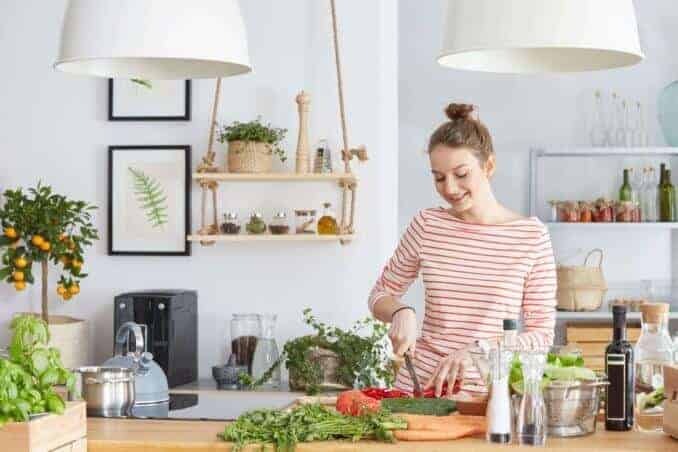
[
  {"x": 403, "y": 267},
  {"x": 539, "y": 298}
]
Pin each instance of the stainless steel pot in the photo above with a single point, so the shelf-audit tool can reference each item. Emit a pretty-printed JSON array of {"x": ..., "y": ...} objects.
[{"x": 108, "y": 391}]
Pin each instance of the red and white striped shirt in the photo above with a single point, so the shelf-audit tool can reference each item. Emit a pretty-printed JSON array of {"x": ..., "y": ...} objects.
[{"x": 474, "y": 276}]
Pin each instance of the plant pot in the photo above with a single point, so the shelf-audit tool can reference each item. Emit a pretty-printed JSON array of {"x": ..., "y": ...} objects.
[
  {"x": 249, "y": 157},
  {"x": 71, "y": 337},
  {"x": 329, "y": 362}
]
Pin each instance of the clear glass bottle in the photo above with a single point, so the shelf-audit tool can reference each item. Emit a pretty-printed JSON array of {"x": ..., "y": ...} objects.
[
  {"x": 649, "y": 195},
  {"x": 327, "y": 224},
  {"x": 625, "y": 191},
  {"x": 245, "y": 329},
  {"x": 266, "y": 353},
  {"x": 531, "y": 426},
  {"x": 653, "y": 350}
]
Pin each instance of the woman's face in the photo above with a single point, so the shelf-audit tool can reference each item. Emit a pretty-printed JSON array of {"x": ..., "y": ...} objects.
[{"x": 460, "y": 178}]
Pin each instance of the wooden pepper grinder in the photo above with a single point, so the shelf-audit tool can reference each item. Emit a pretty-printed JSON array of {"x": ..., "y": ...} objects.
[{"x": 304, "y": 104}]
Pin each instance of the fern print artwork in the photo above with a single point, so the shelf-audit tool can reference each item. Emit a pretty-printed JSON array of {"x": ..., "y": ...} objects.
[{"x": 151, "y": 198}]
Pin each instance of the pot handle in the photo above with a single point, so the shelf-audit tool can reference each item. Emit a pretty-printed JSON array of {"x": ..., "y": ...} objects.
[{"x": 595, "y": 250}]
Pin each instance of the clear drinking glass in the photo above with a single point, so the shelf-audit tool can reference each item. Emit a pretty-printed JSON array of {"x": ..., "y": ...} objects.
[
  {"x": 619, "y": 132},
  {"x": 531, "y": 426},
  {"x": 597, "y": 128},
  {"x": 245, "y": 329},
  {"x": 266, "y": 354},
  {"x": 640, "y": 130}
]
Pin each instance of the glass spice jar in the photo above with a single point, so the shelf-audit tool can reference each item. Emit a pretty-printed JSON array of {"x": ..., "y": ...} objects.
[
  {"x": 231, "y": 224},
  {"x": 279, "y": 225},
  {"x": 256, "y": 224},
  {"x": 585, "y": 212},
  {"x": 603, "y": 211},
  {"x": 305, "y": 221},
  {"x": 568, "y": 212},
  {"x": 554, "y": 210},
  {"x": 625, "y": 212}
]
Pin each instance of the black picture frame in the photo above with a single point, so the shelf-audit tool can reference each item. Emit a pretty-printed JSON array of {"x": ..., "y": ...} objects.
[
  {"x": 187, "y": 207},
  {"x": 185, "y": 117}
]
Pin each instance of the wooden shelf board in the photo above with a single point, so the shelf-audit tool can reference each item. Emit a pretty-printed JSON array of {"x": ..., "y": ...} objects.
[
  {"x": 270, "y": 238},
  {"x": 563, "y": 225},
  {"x": 607, "y": 152},
  {"x": 600, "y": 315},
  {"x": 275, "y": 177}
]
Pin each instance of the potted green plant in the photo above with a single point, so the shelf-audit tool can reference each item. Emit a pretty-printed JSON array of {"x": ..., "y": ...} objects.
[
  {"x": 251, "y": 146},
  {"x": 39, "y": 227}
]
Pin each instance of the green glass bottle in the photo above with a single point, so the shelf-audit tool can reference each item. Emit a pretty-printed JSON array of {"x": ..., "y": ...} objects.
[
  {"x": 667, "y": 199},
  {"x": 625, "y": 192}
]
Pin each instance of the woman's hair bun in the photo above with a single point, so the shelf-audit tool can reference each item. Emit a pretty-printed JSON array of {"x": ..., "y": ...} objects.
[{"x": 459, "y": 111}]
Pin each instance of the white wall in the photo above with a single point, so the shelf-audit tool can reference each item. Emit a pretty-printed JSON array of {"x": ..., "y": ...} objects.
[
  {"x": 531, "y": 111},
  {"x": 53, "y": 128}
]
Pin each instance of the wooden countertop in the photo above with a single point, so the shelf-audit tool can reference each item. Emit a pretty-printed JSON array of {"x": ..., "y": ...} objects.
[{"x": 120, "y": 435}]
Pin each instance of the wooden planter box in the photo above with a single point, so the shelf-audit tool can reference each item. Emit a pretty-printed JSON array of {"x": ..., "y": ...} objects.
[{"x": 50, "y": 433}]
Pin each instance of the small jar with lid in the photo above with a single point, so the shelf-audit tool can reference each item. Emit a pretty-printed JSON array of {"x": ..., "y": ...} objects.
[
  {"x": 554, "y": 210},
  {"x": 603, "y": 211},
  {"x": 568, "y": 212},
  {"x": 279, "y": 224},
  {"x": 256, "y": 225},
  {"x": 625, "y": 212},
  {"x": 305, "y": 221},
  {"x": 231, "y": 224},
  {"x": 585, "y": 212}
]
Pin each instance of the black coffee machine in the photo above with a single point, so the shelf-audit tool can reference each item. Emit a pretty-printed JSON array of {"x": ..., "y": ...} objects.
[{"x": 171, "y": 317}]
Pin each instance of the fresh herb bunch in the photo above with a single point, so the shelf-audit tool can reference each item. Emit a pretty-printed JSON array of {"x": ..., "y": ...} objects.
[
  {"x": 307, "y": 423},
  {"x": 42, "y": 226},
  {"x": 363, "y": 360},
  {"x": 255, "y": 131},
  {"x": 28, "y": 376}
]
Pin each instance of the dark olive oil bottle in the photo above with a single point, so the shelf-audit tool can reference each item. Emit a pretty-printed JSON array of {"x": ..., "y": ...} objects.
[{"x": 619, "y": 369}]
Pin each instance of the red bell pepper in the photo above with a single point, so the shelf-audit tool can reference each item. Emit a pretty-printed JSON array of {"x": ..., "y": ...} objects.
[{"x": 380, "y": 393}]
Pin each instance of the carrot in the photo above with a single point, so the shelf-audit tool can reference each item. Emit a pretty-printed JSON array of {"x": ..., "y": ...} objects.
[
  {"x": 442, "y": 423},
  {"x": 437, "y": 435}
]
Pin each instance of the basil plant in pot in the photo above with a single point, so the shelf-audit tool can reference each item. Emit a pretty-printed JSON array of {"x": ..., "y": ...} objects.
[
  {"x": 40, "y": 227},
  {"x": 251, "y": 146}
]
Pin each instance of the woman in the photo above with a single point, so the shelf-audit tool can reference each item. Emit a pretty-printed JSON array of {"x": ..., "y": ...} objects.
[{"x": 480, "y": 262}]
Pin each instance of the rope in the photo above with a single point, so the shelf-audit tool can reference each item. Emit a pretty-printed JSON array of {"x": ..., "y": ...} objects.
[
  {"x": 340, "y": 84},
  {"x": 213, "y": 123}
]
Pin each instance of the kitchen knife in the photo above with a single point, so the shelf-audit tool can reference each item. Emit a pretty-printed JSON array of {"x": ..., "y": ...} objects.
[{"x": 413, "y": 376}]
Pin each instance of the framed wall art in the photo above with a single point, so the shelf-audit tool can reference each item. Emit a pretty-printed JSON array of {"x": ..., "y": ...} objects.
[
  {"x": 149, "y": 100},
  {"x": 149, "y": 203}
]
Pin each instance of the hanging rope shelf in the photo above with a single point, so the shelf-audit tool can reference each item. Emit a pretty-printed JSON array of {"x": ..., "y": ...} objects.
[{"x": 208, "y": 175}]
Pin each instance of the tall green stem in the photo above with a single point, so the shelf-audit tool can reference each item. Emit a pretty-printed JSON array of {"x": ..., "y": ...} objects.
[{"x": 45, "y": 307}]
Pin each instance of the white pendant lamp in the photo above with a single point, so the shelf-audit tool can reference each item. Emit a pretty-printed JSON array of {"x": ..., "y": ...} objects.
[
  {"x": 537, "y": 36},
  {"x": 154, "y": 39}
]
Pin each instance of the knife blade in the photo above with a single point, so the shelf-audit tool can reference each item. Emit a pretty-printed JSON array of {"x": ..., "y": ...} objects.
[{"x": 413, "y": 376}]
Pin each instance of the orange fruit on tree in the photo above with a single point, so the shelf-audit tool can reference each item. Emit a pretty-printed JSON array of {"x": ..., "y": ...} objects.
[
  {"x": 18, "y": 276},
  {"x": 71, "y": 244},
  {"x": 45, "y": 246},
  {"x": 61, "y": 290},
  {"x": 37, "y": 240},
  {"x": 20, "y": 262},
  {"x": 19, "y": 285},
  {"x": 62, "y": 237},
  {"x": 74, "y": 289},
  {"x": 67, "y": 296},
  {"x": 11, "y": 233},
  {"x": 76, "y": 263},
  {"x": 65, "y": 260}
]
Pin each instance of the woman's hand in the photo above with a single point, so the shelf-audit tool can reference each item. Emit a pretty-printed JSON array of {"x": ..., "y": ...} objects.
[
  {"x": 449, "y": 369},
  {"x": 403, "y": 332}
]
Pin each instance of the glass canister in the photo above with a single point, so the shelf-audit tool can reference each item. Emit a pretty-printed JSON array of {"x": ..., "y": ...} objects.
[
  {"x": 266, "y": 354},
  {"x": 245, "y": 329},
  {"x": 568, "y": 212},
  {"x": 554, "y": 210},
  {"x": 231, "y": 224},
  {"x": 305, "y": 221},
  {"x": 585, "y": 212},
  {"x": 625, "y": 212},
  {"x": 256, "y": 225},
  {"x": 279, "y": 224},
  {"x": 603, "y": 211},
  {"x": 653, "y": 350}
]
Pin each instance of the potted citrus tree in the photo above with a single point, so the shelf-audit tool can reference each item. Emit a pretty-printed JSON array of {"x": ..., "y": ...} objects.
[
  {"x": 40, "y": 227},
  {"x": 251, "y": 146}
]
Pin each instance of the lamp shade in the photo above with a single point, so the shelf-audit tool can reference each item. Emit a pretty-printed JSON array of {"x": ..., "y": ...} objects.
[
  {"x": 154, "y": 39},
  {"x": 535, "y": 36}
]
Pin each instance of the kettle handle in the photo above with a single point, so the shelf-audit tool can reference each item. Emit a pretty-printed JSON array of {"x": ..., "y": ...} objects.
[{"x": 122, "y": 338}]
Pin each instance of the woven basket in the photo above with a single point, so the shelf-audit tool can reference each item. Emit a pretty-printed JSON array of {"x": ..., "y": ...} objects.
[
  {"x": 581, "y": 288},
  {"x": 329, "y": 361},
  {"x": 249, "y": 157}
]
